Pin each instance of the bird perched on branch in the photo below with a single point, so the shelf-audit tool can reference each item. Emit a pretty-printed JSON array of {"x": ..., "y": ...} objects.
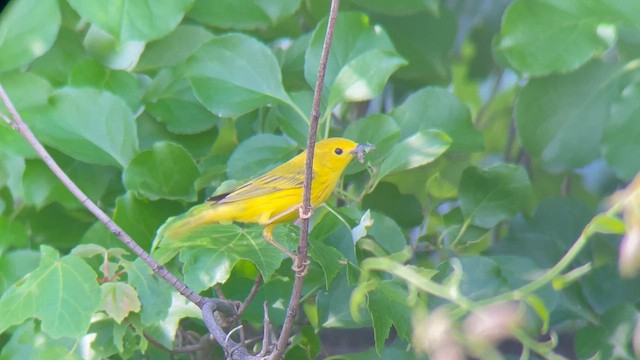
[{"x": 274, "y": 197}]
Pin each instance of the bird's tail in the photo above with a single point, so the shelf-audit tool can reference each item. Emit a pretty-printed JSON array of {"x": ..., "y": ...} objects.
[{"x": 182, "y": 226}]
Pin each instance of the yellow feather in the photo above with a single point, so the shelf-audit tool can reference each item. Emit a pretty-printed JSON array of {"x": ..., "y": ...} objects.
[{"x": 275, "y": 196}]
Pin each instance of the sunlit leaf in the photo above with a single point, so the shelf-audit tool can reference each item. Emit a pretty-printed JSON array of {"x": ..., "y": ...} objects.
[
  {"x": 133, "y": 19},
  {"x": 23, "y": 41},
  {"x": 234, "y": 74},
  {"x": 62, "y": 292}
]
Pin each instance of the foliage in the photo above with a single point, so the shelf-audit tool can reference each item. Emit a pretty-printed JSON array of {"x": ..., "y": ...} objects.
[{"x": 502, "y": 129}]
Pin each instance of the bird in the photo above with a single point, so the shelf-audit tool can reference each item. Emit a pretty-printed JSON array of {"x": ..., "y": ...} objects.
[{"x": 274, "y": 197}]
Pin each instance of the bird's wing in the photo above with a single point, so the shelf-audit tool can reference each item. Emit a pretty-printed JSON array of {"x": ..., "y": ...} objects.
[{"x": 268, "y": 183}]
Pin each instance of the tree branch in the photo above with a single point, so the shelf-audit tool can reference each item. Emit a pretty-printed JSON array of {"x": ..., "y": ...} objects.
[
  {"x": 252, "y": 294},
  {"x": 19, "y": 125},
  {"x": 208, "y": 306},
  {"x": 306, "y": 210}
]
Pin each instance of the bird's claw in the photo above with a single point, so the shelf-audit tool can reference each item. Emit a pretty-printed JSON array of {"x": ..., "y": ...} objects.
[
  {"x": 300, "y": 269},
  {"x": 302, "y": 214}
]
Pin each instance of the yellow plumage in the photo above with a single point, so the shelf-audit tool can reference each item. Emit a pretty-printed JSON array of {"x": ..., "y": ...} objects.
[{"x": 274, "y": 197}]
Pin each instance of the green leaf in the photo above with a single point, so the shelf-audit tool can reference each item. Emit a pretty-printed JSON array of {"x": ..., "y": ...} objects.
[
  {"x": 12, "y": 234},
  {"x": 494, "y": 194},
  {"x": 90, "y": 73},
  {"x": 402, "y": 208},
  {"x": 140, "y": 20},
  {"x": 541, "y": 310},
  {"x": 172, "y": 102},
  {"x": 561, "y": 118},
  {"x": 609, "y": 338},
  {"x": 619, "y": 142},
  {"x": 603, "y": 287},
  {"x": 329, "y": 259},
  {"x": 352, "y": 46},
  {"x": 379, "y": 130},
  {"x": 292, "y": 123},
  {"x": 388, "y": 305},
  {"x": 56, "y": 226},
  {"x": 140, "y": 218},
  {"x": 365, "y": 76},
  {"x": 540, "y": 37},
  {"x": 27, "y": 91},
  {"x": 234, "y": 74},
  {"x": 29, "y": 342},
  {"x": 166, "y": 171},
  {"x": 399, "y": 7},
  {"x": 387, "y": 233},
  {"x": 417, "y": 150},
  {"x": 291, "y": 60},
  {"x": 546, "y": 237},
  {"x": 109, "y": 51},
  {"x": 425, "y": 40},
  {"x": 436, "y": 108},
  {"x": 23, "y": 41},
  {"x": 276, "y": 292},
  {"x": 333, "y": 306},
  {"x": 89, "y": 125},
  {"x": 62, "y": 292},
  {"x": 243, "y": 14},
  {"x": 104, "y": 342},
  {"x": 607, "y": 224},
  {"x": 174, "y": 48},
  {"x": 56, "y": 64},
  {"x": 209, "y": 252},
  {"x": 16, "y": 264},
  {"x": 118, "y": 299},
  {"x": 41, "y": 187},
  {"x": 154, "y": 293},
  {"x": 259, "y": 154}
]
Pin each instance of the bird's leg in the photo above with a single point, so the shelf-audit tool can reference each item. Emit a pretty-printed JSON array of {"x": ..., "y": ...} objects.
[{"x": 267, "y": 233}]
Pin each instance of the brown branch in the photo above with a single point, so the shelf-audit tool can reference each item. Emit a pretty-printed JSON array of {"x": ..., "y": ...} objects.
[
  {"x": 201, "y": 345},
  {"x": 208, "y": 306},
  {"x": 232, "y": 349},
  {"x": 266, "y": 331},
  {"x": 19, "y": 125},
  {"x": 252, "y": 294},
  {"x": 306, "y": 210}
]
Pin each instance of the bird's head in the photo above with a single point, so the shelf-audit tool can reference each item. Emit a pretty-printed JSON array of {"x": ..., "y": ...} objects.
[{"x": 337, "y": 153}]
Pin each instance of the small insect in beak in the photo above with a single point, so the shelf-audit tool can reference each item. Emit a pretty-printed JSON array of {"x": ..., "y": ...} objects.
[{"x": 362, "y": 149}]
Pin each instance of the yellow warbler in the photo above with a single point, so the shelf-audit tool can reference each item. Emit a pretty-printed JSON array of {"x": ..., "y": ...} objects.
[{"x": 274, "y": 197}]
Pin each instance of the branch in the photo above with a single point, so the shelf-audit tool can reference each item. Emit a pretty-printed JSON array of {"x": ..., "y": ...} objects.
[
  {"x": 19, "y": 125},
  {"x": 252, "y": 294},
  {"x": 208, "y": 306},
  {"x": 306, "y": 210},
  {"x": 232, "y": 349}
]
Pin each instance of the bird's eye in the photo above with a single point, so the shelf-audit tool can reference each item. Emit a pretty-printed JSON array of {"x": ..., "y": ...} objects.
[{"x": 338, "y": 151}]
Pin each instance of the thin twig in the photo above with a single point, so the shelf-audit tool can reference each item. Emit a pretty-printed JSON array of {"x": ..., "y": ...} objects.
[
  {"x": 232, "y": 349},
  {"x": 494, "y": 92},
  {"x": 266, "y": 330},
  {"x": 177, "y": 350},
  {"x": 251, "y": 296},
  {"x": 18, "y": 124},
  {"x": 306, "y": 210},
  {"x": 219, "y": 291},
  {"x": 208, "y": 306}
]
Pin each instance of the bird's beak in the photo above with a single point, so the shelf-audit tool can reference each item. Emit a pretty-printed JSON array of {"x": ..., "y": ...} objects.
[{"x": 360, "y": 150}]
